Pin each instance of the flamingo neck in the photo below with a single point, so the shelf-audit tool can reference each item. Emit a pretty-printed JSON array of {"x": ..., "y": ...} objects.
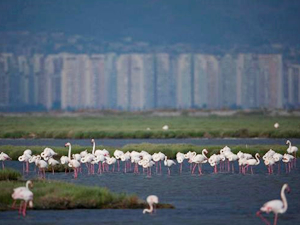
[
  {"x": 149, "y": 210},
  {"x": 27, "y": 184},
  {"x": 258, "y": 161},
  {"x": 283, "y": 198},
  {"x": 289, "y": 143},
  {"x": 94, "y": 146},
  {"x": 69, "y": 155},
  {"x": 203, "y": 153}
]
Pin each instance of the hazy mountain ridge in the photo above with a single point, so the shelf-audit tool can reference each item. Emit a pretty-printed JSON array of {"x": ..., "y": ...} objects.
[{"x": 224, "y": 23}]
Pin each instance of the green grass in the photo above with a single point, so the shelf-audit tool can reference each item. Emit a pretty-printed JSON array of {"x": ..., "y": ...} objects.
[
  {"x": 134, "y": 126},
  {"x": 9, "y": 174},
  {"x": 169, "y": 149},
  {"x": 61, "y": 195}
]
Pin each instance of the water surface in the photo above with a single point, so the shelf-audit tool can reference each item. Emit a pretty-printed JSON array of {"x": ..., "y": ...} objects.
[{"x": 223, "y": 198}]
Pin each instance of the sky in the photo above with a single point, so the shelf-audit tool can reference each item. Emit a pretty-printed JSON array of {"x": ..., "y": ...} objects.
[{"x": 156, "y": 21}]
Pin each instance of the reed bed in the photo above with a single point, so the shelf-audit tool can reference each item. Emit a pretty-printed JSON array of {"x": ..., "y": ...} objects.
[
  {"x": 136, "y": 126},
  {"x": 9, "y": 174}
]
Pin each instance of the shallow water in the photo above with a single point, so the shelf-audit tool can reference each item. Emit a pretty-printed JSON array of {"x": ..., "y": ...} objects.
[
  {"x": 122, "y": 142},
  {"x": 223, "y": 198}
]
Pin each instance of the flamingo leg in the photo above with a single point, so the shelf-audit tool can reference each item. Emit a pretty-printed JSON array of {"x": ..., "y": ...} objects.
[
  {"x": 262, "y": 218},
  {"x": 160, "y": 167},
  {"x": 2, "y": 165},
  {"x": 193, "y": 170},
  {"x": 199, "y": 170},
  {"x": 20, "y": 209},
  {"x": 24, "y": 208},
  {"x": 275, "y": 219},
  {"x": 99, "y": 168}
]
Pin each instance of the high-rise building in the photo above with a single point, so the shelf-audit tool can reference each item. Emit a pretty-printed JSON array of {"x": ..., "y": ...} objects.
[{"x": 137, "y": 81}]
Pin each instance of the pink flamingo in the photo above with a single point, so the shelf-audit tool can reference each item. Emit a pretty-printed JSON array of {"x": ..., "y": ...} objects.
[
  {"x": 169, "y": 163},
  {"x": 151, "y": 200},
  {"x": 72, "y": 162},
  {"x": 275, "y": 206},
  {"x": 4, "y": 157},
  {"x": 24, "y": 194}
]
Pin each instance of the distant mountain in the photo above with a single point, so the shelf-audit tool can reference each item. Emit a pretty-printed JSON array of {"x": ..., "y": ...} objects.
[{"x": 158, "y": 22}]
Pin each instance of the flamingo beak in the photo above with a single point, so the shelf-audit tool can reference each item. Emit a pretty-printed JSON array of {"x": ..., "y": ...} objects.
[{"x": 288, "y": 190}]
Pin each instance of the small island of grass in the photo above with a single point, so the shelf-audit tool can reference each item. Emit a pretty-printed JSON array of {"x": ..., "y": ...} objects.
[{"x": 61, "y": 195}]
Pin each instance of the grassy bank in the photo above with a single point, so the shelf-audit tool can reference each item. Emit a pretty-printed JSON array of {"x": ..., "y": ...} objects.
[
  {"x": 9, "y": 174},
  {"x": 60, "y": 195},
  {"x": 169, "y": 149},
  {"x": 135, "y": 126}
]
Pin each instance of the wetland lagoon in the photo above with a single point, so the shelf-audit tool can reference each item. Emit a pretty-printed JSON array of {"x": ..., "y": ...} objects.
[{"x": 210, "y": 198}]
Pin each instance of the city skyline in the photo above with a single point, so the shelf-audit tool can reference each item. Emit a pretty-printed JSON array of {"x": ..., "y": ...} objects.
[{"x": 149, "y": 81}]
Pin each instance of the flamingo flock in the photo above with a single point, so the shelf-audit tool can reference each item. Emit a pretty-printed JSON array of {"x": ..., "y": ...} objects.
[
  {"x": 132, "y": 161},
  {"x": 221, "y": 162}
]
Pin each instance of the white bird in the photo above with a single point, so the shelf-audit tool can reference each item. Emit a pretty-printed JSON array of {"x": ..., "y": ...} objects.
[
  {"x": 25, "y": 158},
  {"x": 276, "y": 125},
  {"x": 48, "y": 153},
  {"x": 72, "y": 162},
  {"x": 292, "y": 149},
  {"x": 151, "y": 200},
  {"x": 42, "y": 165},
  {"x": 169, "y": 163},
  {"x": 165, "y": 127},
  {"x": 180, "y": 158},
  {"x": 52, "y": 162},
  {"x": 198, "y": 160},
  {"x": 4, "y": 157},
  {"x": 288, "y": 159},
  {"x": 252, "y": 162},
  {"x": 24, "y": 194},
  {"x": 275, "y": 206}
]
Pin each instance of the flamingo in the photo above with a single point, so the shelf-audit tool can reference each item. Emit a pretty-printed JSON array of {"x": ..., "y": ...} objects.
[
  {"x": 111, "y": 161},
  {"x": 24, "y": 194},
  {"x": 180, "y": 159},
  {"x": 4, "y": 157},
  {"x": 165, "y": 127},
  {"x": 288, "y": 159},
  {"x": 252, "y": 162},
  {"x": 72, "y": 162},
  {"x": 169, "y": 163},
  {"x": 118, "y": 154},
  {"x": 276, "y": 125},
  {"x": 275, "y": 206},
  {"x": 25, "y": 158},
  {"x": 48, "y": 153},
  {"x": 52, "y": 162},
  {"x": 292, "y": 149},
  {"x": 151, "y": 200},
  {"x": 42, "y": 165},
  {"x": 199, "y": 159},
  {"x": 147, "y": 165}
]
